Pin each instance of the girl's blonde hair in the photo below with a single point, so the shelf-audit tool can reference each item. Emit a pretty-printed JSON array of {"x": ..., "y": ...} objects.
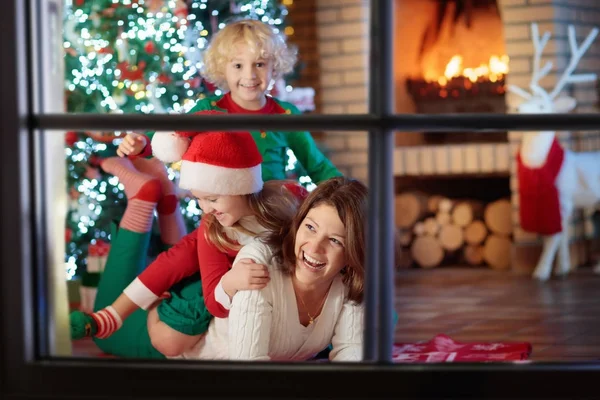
[
  {"x": 260, "y": 38},
  {"x": 274, "y": 207}
]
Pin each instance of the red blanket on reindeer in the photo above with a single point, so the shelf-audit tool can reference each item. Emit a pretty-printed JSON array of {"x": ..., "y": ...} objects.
[{"x": 539, "y": 210}]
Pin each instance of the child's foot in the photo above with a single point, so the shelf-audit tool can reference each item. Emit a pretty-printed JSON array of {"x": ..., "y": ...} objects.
[
  {"x": 100, "y": 324},
  {"x": 136, "y": 182},
  {"x": 82, "y": 325}
]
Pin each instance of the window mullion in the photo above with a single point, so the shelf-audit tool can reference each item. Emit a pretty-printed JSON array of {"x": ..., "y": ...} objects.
[{"x": 379, "y": 290}]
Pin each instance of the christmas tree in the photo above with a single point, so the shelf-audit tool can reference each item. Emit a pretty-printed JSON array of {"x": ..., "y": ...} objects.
[{"x": 134, "y": 56}]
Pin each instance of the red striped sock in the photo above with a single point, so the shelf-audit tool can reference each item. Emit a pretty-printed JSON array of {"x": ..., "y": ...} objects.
[
  {"x": 138, "y": 216},
  {"x": 139, "y": 212},
  {"x": 170, "y": 218},
  {"x": 143, "y": 193},
  {"x": 108, "y": 321}
]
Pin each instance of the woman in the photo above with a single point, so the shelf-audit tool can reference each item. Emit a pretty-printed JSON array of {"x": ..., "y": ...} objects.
[{"x": 315, "y": 294}]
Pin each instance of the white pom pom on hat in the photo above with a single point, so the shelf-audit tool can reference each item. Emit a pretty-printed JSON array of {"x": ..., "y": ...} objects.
[{"x": 169, "y": 147}]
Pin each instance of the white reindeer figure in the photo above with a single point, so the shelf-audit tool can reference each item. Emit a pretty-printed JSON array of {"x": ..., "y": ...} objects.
[{"x": 576, "y": 175}]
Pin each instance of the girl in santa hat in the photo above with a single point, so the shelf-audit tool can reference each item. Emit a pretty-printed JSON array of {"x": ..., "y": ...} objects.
[{"x": 223, "y": 170}]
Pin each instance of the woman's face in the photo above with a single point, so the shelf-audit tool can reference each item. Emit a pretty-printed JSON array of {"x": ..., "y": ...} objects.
[
  {"x": 227, "y": 209},
  {"x": 320, "y": 245}
]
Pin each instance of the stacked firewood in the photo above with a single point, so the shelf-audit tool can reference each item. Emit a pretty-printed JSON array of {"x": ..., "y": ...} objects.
[{"x": 433, "y": 230}]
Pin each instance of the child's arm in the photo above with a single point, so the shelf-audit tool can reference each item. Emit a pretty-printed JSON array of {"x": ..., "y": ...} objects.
[
  {"x": 318, "y": 167},
  {"x": 170, "y": 267},
  {"x": 132, "y": 145},
  {"x": 214, "y": 264},
  {"x": 220, "y": 281},
  {"x": 305, "y": 149},
  {"x": 244, "y": 275}
]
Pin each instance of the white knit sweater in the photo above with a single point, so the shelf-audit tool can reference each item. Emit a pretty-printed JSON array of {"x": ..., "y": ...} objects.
[{"x": 264, "y": 324}]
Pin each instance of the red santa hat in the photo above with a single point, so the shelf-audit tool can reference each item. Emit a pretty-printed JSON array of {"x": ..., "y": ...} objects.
[{"x": 221, "y": 163}]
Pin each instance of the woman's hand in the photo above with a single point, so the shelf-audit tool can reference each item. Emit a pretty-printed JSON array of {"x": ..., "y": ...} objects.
[
  {"x": 245, "y": 275},
  {"x": 132, "y": 145}
]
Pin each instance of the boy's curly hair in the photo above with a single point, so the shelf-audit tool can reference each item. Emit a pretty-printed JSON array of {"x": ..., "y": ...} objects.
[{"x": 261, "y": 39}]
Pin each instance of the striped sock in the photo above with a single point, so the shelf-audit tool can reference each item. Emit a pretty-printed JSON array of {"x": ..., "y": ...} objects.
[
  {"x": 170, "y": 218},
  {"x": 143, "y": 193},
  {"x": 138, "y": 216},
  {"x": 108, "y": 321}
]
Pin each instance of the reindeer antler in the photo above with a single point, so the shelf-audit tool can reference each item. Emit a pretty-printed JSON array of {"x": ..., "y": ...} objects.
[
  {"x": 576, "y": 53},
  {"x": 537, "y": 74},
  {"x": 567, "y": 77},
  {"x": 538, "y": 47}
]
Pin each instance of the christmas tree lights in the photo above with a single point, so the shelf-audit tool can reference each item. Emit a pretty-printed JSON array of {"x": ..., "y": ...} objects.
[{"x": 134, "y": 56}]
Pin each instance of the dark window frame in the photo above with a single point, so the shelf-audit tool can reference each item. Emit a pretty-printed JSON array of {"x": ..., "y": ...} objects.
[{"x": 26, "y": 372}]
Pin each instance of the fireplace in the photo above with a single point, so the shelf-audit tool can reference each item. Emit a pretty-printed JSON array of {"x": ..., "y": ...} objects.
[
  {"x": 461, "y": 64},
  {"x": 457, "y": 56},
  {"x": 451, "y": 59},
  {"x": 462, "y": 59}
]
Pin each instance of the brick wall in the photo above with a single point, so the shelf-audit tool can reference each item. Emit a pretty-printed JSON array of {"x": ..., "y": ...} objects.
[
  {"x": 301, "y": 17},
  {"x": 343, "y": 55},
  {"x": 553, "y": 16}
]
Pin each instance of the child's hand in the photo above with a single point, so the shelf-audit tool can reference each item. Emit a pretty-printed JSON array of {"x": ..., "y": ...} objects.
[
  {"x": 248, "y": 275},
  {"x": 132, "y": 145}
]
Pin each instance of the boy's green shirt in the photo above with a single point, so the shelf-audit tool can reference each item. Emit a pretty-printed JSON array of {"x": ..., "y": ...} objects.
[{"x": 273, "y": 146}]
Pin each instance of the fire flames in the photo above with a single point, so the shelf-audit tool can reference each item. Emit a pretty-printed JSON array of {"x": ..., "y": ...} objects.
[{"x": 493, "y": 71}]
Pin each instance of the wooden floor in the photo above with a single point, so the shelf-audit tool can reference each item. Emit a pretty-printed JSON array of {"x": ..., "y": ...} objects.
[{"x": 560, "y": 318}]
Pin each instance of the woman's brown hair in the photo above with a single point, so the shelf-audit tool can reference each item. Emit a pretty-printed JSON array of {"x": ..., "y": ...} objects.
[
  {"x": 349, "y": 198},
  {"x": 274, "y": 207}
]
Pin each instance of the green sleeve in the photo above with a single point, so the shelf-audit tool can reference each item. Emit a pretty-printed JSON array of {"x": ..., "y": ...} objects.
[{"x": 318, "y": 167}]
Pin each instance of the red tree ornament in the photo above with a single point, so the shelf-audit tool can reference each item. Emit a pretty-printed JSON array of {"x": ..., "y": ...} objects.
[
  {"x": 195, "y": 82},
  {"x": 132, "y": 73},
  {"x": 150, "y": 47},
  {"x": 164, "y": 79}
]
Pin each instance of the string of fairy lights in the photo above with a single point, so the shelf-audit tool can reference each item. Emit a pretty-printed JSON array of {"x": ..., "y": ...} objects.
[{"x": 110, "y": 72}]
